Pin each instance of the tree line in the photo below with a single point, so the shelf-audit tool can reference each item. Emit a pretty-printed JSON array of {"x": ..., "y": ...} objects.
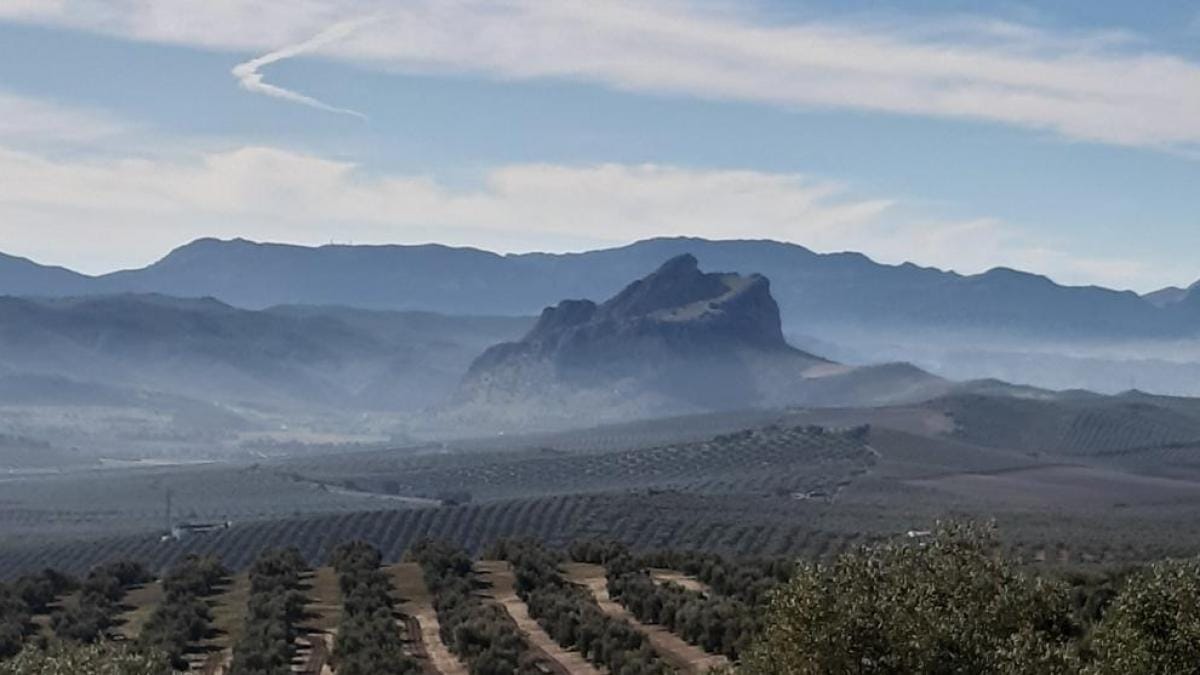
[
  {"x": 482, "y": 634},
  {"x": 368, "y": 641},
  {"x": 20, "y": 600},
  {"x": 718, "y": 625},
  {"x": 95, "y": 613},
  {"x": 570, "y": 615},
  {"x": 274, "y": 612},
  {"x": 183, "y": 617}
]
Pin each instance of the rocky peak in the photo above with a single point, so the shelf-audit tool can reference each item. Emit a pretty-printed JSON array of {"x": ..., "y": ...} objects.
[{"x": 677, "y": 311}]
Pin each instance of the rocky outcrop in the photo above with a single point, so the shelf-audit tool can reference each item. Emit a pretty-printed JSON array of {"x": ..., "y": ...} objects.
[
  {"x": 678, "y": 340},
  {"x": 677, "y": 313}
]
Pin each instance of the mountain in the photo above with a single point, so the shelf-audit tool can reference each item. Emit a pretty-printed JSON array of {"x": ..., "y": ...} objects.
[
  {"x": 1172, "y": 295},
  {"x": 839, "y": 289},
  {"x": 1002, "y": 323},
  {"x": 20, "y": 276},
  {"x": 677, "y": 340}
]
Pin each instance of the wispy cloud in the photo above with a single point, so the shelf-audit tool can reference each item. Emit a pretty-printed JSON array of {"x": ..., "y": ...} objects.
[
  {"x": 25, "y": 120},
  {"x": 249, "y": 74},
  {"x": 1110, "y": 88}
]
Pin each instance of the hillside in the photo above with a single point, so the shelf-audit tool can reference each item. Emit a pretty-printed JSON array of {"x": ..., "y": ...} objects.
[
  {"x": 209, "y": 350},
  {"x": 130, "y": 376}
]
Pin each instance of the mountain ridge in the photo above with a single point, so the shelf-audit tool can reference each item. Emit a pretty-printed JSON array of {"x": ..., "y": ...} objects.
[{"x": 825, "y": 288}]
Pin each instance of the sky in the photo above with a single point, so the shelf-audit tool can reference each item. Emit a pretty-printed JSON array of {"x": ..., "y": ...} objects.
[{"x": 1060, "y": 137}]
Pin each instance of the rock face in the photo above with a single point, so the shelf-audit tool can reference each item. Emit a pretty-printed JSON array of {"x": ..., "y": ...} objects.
[
  {"x": 678, "y": 340},
  {"x": 678, "y": 312}
]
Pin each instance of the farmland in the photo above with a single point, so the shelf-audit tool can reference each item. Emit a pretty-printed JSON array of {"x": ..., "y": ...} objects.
[
  {"x": 806, "y": 482},
  {"x": 92, "y": 504},
  {"x": 383, "y": 618}
]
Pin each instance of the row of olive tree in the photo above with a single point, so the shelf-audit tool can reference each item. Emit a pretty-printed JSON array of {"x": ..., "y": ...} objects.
[
  {"x": 274, "y": 612},
  {"x": 482, "y": 634},
  {"x": 95, "y": 611},
  {"x": 716, "y": 624},
  {"x": 183, "y": 618},
  {"x": 368, "y": 640},
  {"x": 570, "y": 614},
  {"x": 21, "y": 599}
]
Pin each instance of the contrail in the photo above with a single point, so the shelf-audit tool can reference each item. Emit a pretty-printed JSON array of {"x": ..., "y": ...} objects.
[{"x": 251, "y": 79}]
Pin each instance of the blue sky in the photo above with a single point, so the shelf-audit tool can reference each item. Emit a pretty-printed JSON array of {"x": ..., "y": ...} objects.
[{"x": 1062, "y": 138}]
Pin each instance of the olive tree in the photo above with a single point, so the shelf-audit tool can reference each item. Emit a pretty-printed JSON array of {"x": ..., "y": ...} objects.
[
  {"x": 102, "y": 658},
  {"x": 1153, "y": 625},
  {"x": 943, "y": 604}
]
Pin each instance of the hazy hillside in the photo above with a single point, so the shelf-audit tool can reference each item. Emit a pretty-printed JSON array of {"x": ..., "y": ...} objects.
[{"x": 206, "y": 349}]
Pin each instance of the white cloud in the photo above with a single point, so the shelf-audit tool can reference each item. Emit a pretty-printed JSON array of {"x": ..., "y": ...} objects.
[
  {"x": 249, "y": 73},
  {"x": 1104, "y": 87},
  {"x": 31, "y": 120},
  {"x": 98, "y": 215}
]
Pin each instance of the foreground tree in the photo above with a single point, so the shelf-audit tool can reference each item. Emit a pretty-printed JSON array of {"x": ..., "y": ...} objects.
[
  {"x": 102, "y": 658},
  {"x": 1153, "y": 626},
  {"x": 947, "y": 604}
]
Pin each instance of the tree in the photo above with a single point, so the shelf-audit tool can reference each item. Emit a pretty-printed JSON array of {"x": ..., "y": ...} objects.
[
  {"x": 1153, "y": 626},
  {"x": 103, "y": 658},
  {"x": 948, "y": 604}
]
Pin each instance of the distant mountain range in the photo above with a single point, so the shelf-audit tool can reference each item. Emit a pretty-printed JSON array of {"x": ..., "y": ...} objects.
[{"x": 814, "y": 290}]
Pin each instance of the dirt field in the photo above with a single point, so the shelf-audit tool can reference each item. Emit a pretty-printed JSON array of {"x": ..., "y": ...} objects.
[
  {"x": 683, "y": 656},
  {"x": 417, "y": 603},
  {"x": 500, "y": 575}
]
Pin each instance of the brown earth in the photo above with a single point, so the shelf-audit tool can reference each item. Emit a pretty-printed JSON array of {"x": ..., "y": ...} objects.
[{"x": 417, "y": 603}]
